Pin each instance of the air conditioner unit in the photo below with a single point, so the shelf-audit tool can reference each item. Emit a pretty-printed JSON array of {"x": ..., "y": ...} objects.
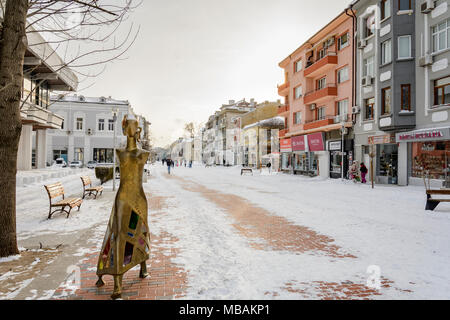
[
  {"x": 366, "y": 81},
  {"x": 313, "y": 107},
  {"x": 362, "y": 44},
  {"x": 427, "y": 6},
  {"x": 426, "y": 60},
  {"x": 356, "y": 110}
]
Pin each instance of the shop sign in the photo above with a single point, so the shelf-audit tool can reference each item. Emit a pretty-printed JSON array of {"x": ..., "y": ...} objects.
[
  {"x": 285, "y": 145},
  {"x": 386, "y": 139},
  {"x": 298, "y": 143},
  {"x": 315, "y": 142},
  {"x": 334, "y": 145},
  {"x": 424, "y": 135}
]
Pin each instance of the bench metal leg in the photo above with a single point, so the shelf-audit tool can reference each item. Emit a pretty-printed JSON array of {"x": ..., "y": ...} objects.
[{"x": 431, "y": 204}]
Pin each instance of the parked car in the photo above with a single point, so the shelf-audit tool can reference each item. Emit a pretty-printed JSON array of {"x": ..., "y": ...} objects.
[
  {"x": 91, "y": 164},
  {"x": 60, "y": 162},
  {"x": 76, "y": 164}
]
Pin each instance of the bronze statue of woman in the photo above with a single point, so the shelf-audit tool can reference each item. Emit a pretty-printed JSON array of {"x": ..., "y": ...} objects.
[{"x": 127, "y": 239}]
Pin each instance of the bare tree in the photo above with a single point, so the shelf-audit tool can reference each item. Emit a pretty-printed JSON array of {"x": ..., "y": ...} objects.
[{"x": 83, "y": 33}]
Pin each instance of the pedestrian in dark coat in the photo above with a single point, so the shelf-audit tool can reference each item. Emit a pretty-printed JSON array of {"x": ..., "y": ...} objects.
[{"x": 363, "y": 170}]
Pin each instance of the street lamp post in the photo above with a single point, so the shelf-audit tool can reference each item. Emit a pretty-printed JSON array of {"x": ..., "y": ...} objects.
[{"x": 114, "y": 112}]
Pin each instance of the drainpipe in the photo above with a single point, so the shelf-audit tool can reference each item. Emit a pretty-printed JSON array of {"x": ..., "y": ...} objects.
[{"x": 353, "y": 16}]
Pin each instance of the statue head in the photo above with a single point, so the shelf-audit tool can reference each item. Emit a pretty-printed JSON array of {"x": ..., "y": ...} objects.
[{"x": 131, "y": 129}]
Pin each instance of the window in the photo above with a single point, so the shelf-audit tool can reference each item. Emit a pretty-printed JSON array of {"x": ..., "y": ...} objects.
[
  {"x": 442, "y": 91},
  {"x": 404, "y": 5},
  {"x": 298, "y": 92},
  {"x": 342, "y": 107},
  {"x": 79, "y": 154},
  {"x": 343, "y": 41},
  {"x": 385, "y": 9},
  {"x": 101, "y": 124},
  {"x": 321, "y": 83},
  {"x": 441, "y": 36},
  {"x": 321, "y": 113},
  {"x": 406, "y": 97},
  {"x": 386, "y": 100},
  {"x": 321, "y": 53},
  {"x": 79, "y": 124},
  {"x": 111, "y": 125},
  {"x": 386, "y": 52},
  {"x": 298, "y": 65},
  {"x": 404, "y": 47},
  {"x": 342, "y": 75},
  {"x": 297, "y": 117},
  {"x": 369, "y": 67},
  {"x": 369, "y": 108}
]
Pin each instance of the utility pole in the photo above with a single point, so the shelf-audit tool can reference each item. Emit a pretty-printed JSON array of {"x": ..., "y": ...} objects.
[
  {"x": 114, "y": 112},
  {"x": 372, "y": 155}
]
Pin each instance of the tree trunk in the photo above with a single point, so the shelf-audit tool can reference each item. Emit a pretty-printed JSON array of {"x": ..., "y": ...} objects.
[{"x": 12, "y": 51}]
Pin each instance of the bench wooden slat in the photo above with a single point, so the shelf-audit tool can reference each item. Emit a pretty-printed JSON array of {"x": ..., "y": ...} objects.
[{"x": 57, "y": 190}]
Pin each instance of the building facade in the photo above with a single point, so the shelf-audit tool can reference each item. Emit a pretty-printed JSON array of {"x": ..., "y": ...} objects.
[
  {"x": 87, "y": 133},
  {"x": 425, "y": 151},
  {"x": 318, "y": 94},
  {"x": 42, "y": 75}
]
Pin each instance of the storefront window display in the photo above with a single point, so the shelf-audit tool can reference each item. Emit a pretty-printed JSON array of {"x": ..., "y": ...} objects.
[
  {"x": 430, "y": 158},
  {"x": 388, "y": 162},
  {"x": 285, "y": 161}
]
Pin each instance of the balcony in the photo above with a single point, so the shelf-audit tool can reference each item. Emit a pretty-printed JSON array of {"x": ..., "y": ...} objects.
[
  {"x": 283, "y": 109},
  {"x": 317, "y": 123},
  {"x": 283, "y": 90},
  {"x": 283, "y": 133},
  {"x": 319, "y": 95},
  {"x": 321, "y": 65}
]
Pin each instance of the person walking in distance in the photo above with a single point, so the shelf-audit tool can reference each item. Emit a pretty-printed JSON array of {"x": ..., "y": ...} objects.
[
  {"x": 363, "y": 170},
  {"x": 269, "y": 166},
  {"x": 169, "y": 165}
]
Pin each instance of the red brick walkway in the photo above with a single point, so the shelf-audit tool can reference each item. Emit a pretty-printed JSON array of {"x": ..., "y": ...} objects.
[{"x": 166, "y": 281}]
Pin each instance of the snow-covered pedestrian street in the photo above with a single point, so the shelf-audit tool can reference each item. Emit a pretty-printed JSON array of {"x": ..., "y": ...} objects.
[{"x": 218, "y": 235}]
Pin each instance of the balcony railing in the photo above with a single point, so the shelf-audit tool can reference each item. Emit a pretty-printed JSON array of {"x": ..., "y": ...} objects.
[
  {"x": 313, "y": 68},
  {"x": 283, "y": 89},
  {"x": 320, "y": 94},
  {"x": 283, "y": 109},
  {"x": 326, "y": 121},
  {"x": 283, "y": 133}
]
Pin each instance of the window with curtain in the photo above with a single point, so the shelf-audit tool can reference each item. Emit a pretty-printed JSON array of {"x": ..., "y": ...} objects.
[
  {"x": 297, "y": 118},
  {"x": 342, "y": 107},
  {"x": 369, "y": 108},
  {"x": 298, "y": 92},
  {"x": 342, "y": 75},
  {"x": 298, "y": 65},
  {"x": 386, "y": 100},
  {"x": 406, "y": 97},
  {"x": 442, "y": 91},
  {"x": 321, "y": 113},
  {"x": 369, "y": 67}
]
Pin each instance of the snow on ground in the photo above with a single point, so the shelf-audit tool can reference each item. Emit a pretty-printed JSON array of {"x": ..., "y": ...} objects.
[
  {"x": 33, "y": 207},
  {"x": 387, "y": 227}
]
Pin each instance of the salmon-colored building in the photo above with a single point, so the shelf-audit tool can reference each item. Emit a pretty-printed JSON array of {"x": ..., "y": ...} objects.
[{"x": 318, "y": 93}]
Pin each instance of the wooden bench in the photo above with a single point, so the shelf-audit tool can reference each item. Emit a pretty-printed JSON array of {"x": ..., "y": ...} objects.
[
  {"x": 432, "y": 203},
  {"x": 57, "y": 190},
  {"x": 249, "y": 170},
  {"x": 90, "y": 190}
]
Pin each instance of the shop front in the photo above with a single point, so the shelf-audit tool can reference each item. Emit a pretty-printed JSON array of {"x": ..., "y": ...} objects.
[
  {"x": 428, "y": 155},
  {"x": 286, "y": 154},
  {"x": 336, "y": 157},
  {"x": 386, "y": 158}
]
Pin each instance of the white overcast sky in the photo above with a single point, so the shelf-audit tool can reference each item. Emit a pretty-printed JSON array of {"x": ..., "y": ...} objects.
[{"x": 191, "y": 56}]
